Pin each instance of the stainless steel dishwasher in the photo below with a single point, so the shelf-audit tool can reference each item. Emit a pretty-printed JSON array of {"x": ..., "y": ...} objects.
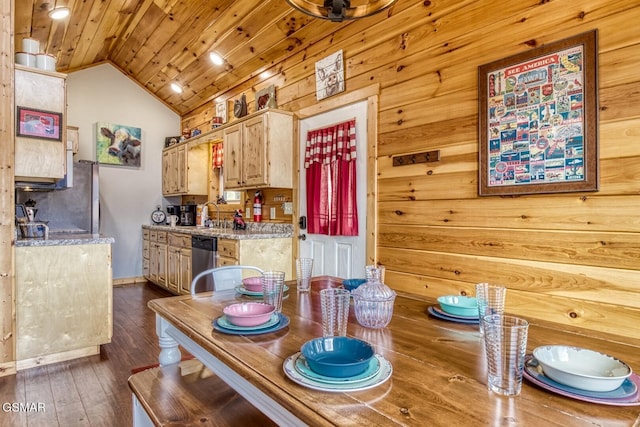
[{"x": 204, "y": 253}]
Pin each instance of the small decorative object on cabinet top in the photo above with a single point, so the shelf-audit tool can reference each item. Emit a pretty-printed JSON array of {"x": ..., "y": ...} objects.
[
  {"x": 266, "y": 98},
  {"x": 240, "y": 107},
  {"x": 221, "y": 112},
  {"x": 171, "y": 140}
]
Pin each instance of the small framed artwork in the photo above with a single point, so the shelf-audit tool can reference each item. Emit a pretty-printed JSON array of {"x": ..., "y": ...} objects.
[
  {"x": 32, "y": 123},
  {"x": 538, "y": 120},
  {"x": 118, "y": 144},
  {"x": 329, "y": 76},
  {"x": 221, "y": 111},
  {"x": 266, "y": 98}
]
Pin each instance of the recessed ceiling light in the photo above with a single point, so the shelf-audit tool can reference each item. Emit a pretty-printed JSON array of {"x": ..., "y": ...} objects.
[
  {"x": 176, "y": 87},
  {"x": 59, "y": 13},
  {"x": 216, "y": 59}
]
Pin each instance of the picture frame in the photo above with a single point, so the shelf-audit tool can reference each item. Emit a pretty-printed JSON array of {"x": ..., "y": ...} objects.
[
  {"x": 538, "y": 120},
  {"x": 118, "y": 145},
  {"x": 330, "y": 75},
  {"x": 221, "y": 111},
  {"x": 40, "y": 124},
  {"x": 266, "y": 98}
]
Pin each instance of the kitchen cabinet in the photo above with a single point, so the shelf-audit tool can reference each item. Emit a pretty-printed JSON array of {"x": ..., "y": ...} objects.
[
  {"x": 41, "y": 159},
  {"x": 64, "y": 307},
  {"x": 268, "y": 254},
  {"x": 258, "y": 151},
  {"x": 179, "y": 263},
  {"x": 185, "y": 169},
  {"x": 158, "y": 257}
]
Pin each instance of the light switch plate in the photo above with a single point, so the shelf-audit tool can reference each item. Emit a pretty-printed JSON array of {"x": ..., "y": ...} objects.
[
  {"x": 288, "y": 208},
  {"x": 273, "y": 213}
]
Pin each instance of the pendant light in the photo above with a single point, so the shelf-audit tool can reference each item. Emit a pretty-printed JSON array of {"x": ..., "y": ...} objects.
[{"x": 339, "y": 10}]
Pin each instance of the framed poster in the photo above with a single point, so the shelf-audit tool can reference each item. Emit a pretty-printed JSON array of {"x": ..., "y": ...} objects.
[
  {"x": 118, "y": 144},
  {"x": 266, "y": 98},
  {"x": 39, "y": 124},
  {"x": 329, "y": 76},
  {"x": 538, "y": 123}
]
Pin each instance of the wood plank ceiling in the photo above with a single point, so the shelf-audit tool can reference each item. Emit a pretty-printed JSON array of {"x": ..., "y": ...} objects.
[{"x": 157, "y": 42}]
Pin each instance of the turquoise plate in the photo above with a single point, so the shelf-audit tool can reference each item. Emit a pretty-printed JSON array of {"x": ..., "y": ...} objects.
[
  {"x": 244, "y": 291},
  {"x": 301, "y": 366},
  {"x": 282, "y": 323},
  {"x": 224, "y": 322}
]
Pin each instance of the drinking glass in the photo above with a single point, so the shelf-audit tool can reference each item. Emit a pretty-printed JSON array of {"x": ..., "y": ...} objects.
[
  {"x": 272, "y": 288},
  {"x": 304, "y": 268},
  {"x": 335, "y": 311},
  {"x": 505, "y": 341},
  {"x": 490, "y": 300}
]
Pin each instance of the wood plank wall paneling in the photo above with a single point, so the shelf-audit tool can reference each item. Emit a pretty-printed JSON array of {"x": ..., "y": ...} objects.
[
  {"x": 7, "y": 208},
  {"x": 572, "y": 258}
]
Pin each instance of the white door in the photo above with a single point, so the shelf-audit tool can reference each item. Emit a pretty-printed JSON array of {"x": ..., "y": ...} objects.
[{"x": 338, "y": 256}]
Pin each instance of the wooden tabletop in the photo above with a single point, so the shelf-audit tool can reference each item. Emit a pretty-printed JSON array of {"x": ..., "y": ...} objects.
[{"x": 439, "y": 375}]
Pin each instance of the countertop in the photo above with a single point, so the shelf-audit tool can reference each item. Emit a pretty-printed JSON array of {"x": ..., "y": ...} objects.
[
  {"x": 253, "y": 231},
  {"x": 61, "y": 239}
]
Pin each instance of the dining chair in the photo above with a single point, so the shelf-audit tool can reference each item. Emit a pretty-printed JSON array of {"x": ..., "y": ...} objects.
[{"x": 226, "y": 277}]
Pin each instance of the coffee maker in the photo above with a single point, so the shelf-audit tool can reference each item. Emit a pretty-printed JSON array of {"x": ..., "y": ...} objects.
[
  {"x": 187, "y": 215},
  {"x": 174, "y": 210}
]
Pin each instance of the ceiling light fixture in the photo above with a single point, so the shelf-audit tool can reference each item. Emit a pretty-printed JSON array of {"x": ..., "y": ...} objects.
[
  {"x": 216, "y": 59},
  {"x": 59, "y": 13},
  {"x": 339, "y": 10},
  {"x": 176, "y": 87}
]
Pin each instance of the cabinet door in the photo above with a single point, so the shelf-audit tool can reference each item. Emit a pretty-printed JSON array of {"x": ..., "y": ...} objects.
[
  {"x": 173, "y": 268},
  {"x": 162, "y": 265},
  {"x": 233, "y": 157},
  {"x": 181, "y": 169},
  {"x": 166, "y": 172},
  {"x": 254, "y": 152},
  {"x": 185, "y": 271}
]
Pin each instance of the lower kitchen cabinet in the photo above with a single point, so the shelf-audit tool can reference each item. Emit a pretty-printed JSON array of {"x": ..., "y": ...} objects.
[
  {"x": 179, "y": 263},
  {"x": 63, "y": 302},
  {"x": 268, "y": 254},
  {"x": 158, "y": 257}
]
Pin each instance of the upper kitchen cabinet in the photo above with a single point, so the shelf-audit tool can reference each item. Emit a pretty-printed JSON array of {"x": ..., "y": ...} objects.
[
  {"x": 258, "y": 151},
  {"x": 185, "y": 169},
  {"x": 40, "y": 98}
]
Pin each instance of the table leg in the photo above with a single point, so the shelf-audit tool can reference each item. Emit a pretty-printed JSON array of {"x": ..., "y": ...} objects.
[{"x": 169, "y": 351}]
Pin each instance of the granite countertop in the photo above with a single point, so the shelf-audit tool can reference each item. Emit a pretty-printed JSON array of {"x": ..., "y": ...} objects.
[
  {"x": 61, "y": 239},
  {"x": 253, "y": 231}
]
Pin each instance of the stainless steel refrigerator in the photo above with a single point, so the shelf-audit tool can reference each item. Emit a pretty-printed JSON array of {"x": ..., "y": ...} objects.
[{"x": 71, "y": 206}]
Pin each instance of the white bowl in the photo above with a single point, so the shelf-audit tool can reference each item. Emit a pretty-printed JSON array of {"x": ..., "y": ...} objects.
[{"x": 582, "y": 368}]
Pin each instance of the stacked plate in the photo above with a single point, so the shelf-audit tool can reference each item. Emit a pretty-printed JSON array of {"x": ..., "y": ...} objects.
[
  {"x": 337, "y": 364},
  {"x": 456, "y": 308},
  {"x": 583, "y": 374},
  {"x": 276, "y": 322},
  {"x": 241, "y": 289}
]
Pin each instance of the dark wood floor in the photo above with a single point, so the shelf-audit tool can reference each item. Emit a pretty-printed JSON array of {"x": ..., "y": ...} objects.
[{"x": 91, "y": 391}]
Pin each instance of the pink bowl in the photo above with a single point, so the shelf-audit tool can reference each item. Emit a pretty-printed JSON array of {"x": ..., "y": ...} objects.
[
  {"x": 248, "y": 313},
  {"x": 253, "y": 284}
]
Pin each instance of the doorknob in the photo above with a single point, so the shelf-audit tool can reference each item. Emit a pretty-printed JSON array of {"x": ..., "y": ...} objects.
[{"x": 302, "y": 236}]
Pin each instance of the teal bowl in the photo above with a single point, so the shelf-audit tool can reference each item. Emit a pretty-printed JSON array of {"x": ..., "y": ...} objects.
[
  {"x": 351, "y": 284},
  {"x": 337, "y": 357},
  {"x": 459, "y": 305}
]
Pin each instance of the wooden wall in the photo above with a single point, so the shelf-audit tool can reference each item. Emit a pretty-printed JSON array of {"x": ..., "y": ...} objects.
[{"x": 570, "y": 258}]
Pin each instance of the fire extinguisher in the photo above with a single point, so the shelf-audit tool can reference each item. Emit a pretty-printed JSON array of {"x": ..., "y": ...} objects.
[{"x": 257, "y": 207}]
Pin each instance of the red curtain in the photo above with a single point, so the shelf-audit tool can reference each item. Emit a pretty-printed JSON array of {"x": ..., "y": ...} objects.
[
  {"x": 216, "y": 155},
  {"x": 330, "y": 163}
]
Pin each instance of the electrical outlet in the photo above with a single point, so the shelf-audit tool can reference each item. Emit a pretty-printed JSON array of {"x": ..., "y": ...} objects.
[
  {"x": 273, "y": 213},
  {"x": 288, "y": 208}
]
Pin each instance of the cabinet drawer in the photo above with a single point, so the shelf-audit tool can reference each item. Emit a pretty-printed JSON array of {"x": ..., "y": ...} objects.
[
  {"x": 180, "y": 240},
  {"x": 228, "y": 248},
  {"x": 153, "y": 235},
  {"x": 162, "y": 237},
  {"x": 145, "y": 234},
  {"x": 223, "y": 261}
]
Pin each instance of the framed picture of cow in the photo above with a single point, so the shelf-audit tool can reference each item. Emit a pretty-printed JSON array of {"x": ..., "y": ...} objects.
[{"x": 118, "y": 145}]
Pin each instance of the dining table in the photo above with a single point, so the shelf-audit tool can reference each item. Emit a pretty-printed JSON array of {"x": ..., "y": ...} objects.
[{"x": 438, "y": 367}]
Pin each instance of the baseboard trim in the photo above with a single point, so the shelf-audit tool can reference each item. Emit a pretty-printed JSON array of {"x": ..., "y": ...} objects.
[{"x": 124, "y": 281}]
